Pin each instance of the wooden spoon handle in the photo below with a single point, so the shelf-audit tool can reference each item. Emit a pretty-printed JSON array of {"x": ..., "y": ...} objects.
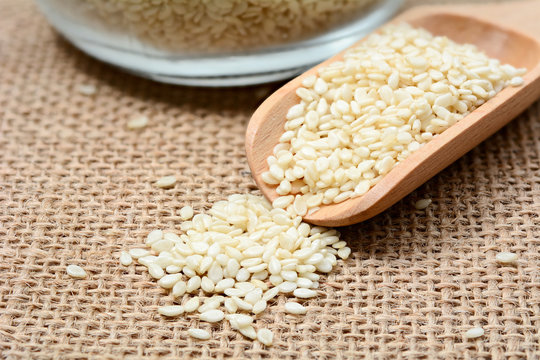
[{"x": 520, "y": 16}]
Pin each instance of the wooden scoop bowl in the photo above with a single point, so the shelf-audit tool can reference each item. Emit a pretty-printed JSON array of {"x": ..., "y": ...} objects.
[{"x": 509, "y": 32}]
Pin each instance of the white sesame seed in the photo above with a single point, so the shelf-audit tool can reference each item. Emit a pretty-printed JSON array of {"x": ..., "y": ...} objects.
[
  {"x": 125, "y": 258},
  {"x": 86, "y": 89},
  {"x": 253, "y": 296},
  {"x": 207, "y": 285},
  {"x": 186, "y": 213},
  {"x": 192, "y": 304},
  {"x": 474, "y": 333},
  {"x": 304, "y": 283},
  {"x": 138, "y": 122},
  {"x": 239, "y": 320},
  {"x": 155, "y": 271},
  {"x": 138, "y": 253},
  {"x": 171, "y": 310},
  {"x": 235, "y": 292},
  {"x": 303, "y": 293},
  {"x": 154, "y": 236},
  {"x": 166, "y": 182},
  {"x": 260, "y": 284},
  {"x": 270, "y": 294},
  {"x": 344, "y": 253},
  {"x": 516, "y": 81},
  {"x": 75, "y": 271},
  {"x": 173, "y": 269},
  {"x": 287, "y": 287},
  {"x": 215, "y": 299},
  {"x": 242, "y": 304},
  {"x": 224, "y": 284},
  {"x": 248, "y": 332},
  {"x": 289, "y": 275},
  {"x": 283, "y": 201},
  {"x": 295, "y": 308},
  {"x": 265, "y": 337},
  {"x": 243, "y": 275},
  {"x": 168, "y": 281},
  {"x": 199, "y": 334},
  {"x": 230, "y": 306},
  {"x": 212, "y": 316},
  {"x": 422, "y": 204},
  {"x": 506, "y": 257},
  {"x": 259, "y": 307},
  {"x": 193, "y": 284},
  {"x": 179, "y": 289}
]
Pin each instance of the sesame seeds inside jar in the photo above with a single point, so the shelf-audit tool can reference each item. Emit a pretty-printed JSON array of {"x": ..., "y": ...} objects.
[
  {"x": 190, "y": 42},
  {"x": 230, "y": 25}
]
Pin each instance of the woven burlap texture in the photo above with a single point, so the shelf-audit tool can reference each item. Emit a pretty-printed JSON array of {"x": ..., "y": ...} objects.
[{"x": 76, "y": 188}]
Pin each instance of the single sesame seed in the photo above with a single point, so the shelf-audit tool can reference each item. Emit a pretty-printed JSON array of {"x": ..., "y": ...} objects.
[
  {"x": 125, "y": 258},
  {"x": 474, "y": 333},
  {"x": 86, "y": 89},
  {"x": 422, "y": 204},
  {"x": 166, "y": 182},
  {"x": 506, "y": 257},
  {"x": 295, "y": 308},
  {"x": 199, "y": 334},
  {"x": 265, "y": 337},
  {"x": 171, "y": 310},
  {"x": 212, "y": 316},
  {"x": 75, "y": 271},
  {"x": 137, "y": 123},
  {"x": 186, "y": 213}
]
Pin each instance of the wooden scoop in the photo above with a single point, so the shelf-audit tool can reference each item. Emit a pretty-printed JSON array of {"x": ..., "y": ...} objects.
[{"x": 509, "y": 32}]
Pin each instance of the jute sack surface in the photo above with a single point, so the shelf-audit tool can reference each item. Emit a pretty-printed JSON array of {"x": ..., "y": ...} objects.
[{"x": 76, "y": 187}]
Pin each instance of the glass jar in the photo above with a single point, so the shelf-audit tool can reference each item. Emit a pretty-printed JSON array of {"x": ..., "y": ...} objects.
[{"x": 215, "y": 42}]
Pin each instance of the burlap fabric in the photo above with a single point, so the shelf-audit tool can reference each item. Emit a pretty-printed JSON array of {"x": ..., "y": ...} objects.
[{"x": 76, "y": 188}]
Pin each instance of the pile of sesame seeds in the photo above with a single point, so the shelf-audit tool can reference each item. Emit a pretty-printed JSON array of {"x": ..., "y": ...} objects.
[{"x": 239, "y": 257}]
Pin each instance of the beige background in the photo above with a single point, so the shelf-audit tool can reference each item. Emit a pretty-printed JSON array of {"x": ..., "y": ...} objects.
[{"x": 76, "y": 188}]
